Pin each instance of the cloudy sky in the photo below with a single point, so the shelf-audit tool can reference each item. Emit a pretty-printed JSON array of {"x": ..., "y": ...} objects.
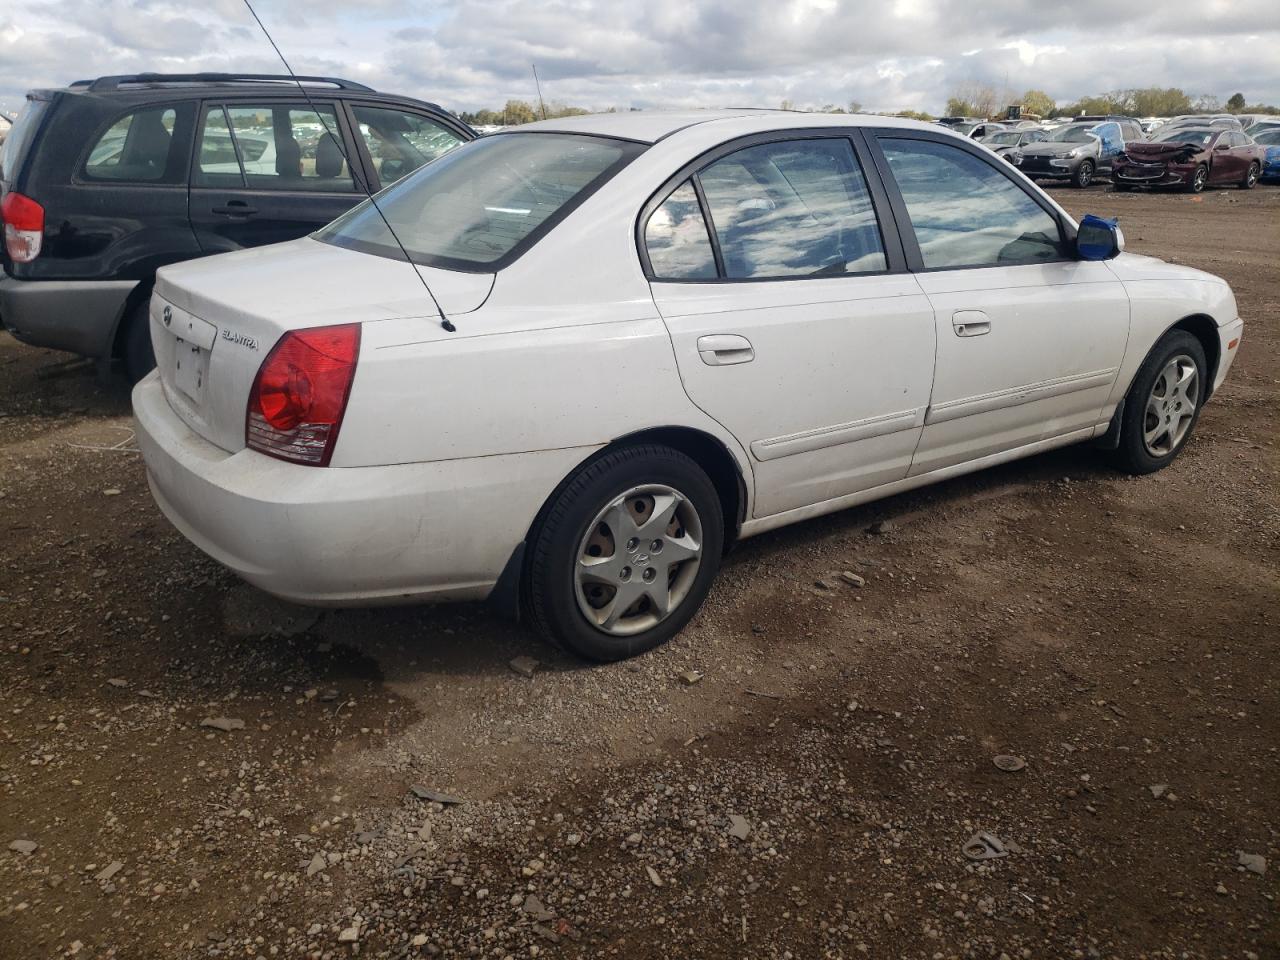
[{"x": 666, "y": 53}]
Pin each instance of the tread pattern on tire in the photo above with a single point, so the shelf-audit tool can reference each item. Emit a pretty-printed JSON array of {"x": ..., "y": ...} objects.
[{"x": 1128, "y": 455}]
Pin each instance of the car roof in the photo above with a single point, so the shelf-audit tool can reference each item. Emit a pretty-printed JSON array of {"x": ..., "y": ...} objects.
[{"x": 650, "y": 126}]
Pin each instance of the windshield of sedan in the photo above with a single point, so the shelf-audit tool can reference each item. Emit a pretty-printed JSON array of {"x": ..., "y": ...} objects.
[
  {"x": 485, "y": 203},
  {"x": 1073, "y": 134},
  {"x": 1185, "y": 135},
  {"x": 1269, "y": 138},
  {"x": 1006, "y": 139}
]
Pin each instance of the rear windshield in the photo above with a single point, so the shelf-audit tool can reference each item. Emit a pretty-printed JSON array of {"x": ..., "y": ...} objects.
[
  {"x": 19, "y": 138},
  {"x": 482, "y": 205}
]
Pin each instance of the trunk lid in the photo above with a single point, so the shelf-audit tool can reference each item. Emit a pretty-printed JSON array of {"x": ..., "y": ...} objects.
[{"x": 214, "y": 320}]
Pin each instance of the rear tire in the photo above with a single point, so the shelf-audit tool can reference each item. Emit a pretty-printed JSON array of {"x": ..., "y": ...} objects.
[
  {"x": 1163, "y": 404},
  {"x": 625, "y": 554},
  {"x": 139, "y": 357},
  {"x": 1082, "y": 176},
  {"x": 1251, "y": 176}
]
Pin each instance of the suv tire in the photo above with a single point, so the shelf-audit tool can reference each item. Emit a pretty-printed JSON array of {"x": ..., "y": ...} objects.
[{"x": 139, "y": 357}]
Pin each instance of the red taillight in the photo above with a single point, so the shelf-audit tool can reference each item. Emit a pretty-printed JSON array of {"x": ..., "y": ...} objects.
[
  {"x": 300, "y": 394},
  {"x": 23, "y": 227}
]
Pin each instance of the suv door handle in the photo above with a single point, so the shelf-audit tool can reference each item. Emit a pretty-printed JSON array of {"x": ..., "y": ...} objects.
[
  {"x": 722, "y": 349},
  {"x": 236, "y": 208},
  {"x": 970, "y": 323}
]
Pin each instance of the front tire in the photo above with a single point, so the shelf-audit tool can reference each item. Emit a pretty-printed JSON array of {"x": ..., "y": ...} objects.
[
  {"x": 1083, "y": 175},
  {"x": 625, "y": 554},
  {"x": 1199, "y": 180},
  {"x": 1251, "y": 177},
  {"x": 1163, "y": 404}
]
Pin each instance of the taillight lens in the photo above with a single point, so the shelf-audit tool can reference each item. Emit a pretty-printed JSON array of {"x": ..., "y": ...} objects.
[
  {"x": 300, "y": 394},
  {"x": 23, "y": 227}
]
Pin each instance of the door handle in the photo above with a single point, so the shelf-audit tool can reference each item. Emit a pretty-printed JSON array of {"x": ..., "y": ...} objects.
[
  {"x": 723, "y": 349},
  {"x": 970, "y": 323},
  {"x": 236, "y": 208}
]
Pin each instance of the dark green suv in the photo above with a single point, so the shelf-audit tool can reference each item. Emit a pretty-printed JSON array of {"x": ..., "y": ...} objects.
[{"x": 105, "y": 181}]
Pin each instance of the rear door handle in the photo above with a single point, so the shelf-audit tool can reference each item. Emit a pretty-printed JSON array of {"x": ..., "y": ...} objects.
[
  {"x": 970, "y": 323},
  {"x": 722, "y": 349},
  {"x": 236, "y": 208}
]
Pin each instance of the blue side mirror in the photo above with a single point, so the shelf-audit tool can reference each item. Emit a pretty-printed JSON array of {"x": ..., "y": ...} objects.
[{"x": 1098, "y": 238}]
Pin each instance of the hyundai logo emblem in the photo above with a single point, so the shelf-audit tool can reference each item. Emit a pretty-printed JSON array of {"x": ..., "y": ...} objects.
[{"x": 168, "y": 315}]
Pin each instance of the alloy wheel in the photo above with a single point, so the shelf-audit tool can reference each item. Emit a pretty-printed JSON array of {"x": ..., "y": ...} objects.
[
  {"x": 638, "y": 559},
  {"x": 1252, "y": 176},
  {"x": 1171, "y": 407},
  {"x": 1201, "y": 178}
]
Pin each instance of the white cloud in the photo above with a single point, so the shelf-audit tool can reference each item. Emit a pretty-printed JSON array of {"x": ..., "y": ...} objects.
[{"x": 654, "y": 53}]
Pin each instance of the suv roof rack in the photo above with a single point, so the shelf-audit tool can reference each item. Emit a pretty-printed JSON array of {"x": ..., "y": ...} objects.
[{"x": 155, "y": 79}]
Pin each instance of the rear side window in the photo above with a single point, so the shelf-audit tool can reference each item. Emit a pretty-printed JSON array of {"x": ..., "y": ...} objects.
[
  {"x": 798, "y": 208},
  {"x": 966, "y": 213},
  {"x": 676, "y": 238},
  {"x": 18, "y": 141},
  {"x": 140, "y": 147},
  {"x": 273, "y": 147},
  {"x": 400, "y": 142}
]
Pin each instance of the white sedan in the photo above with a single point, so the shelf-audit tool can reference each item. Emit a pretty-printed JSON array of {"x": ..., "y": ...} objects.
[{"x": 656, "y": 334}]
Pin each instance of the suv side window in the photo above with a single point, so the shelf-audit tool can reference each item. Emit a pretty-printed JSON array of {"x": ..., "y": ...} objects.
[
  {"x": 273, "y": 147},
  {"x": 793, "y": 209},
  {"x": 676, "y": 238},
  {"x": 965, "y": 212},
  {"x": 140, "y": 147},
  {"x": 400, "y": 142}
]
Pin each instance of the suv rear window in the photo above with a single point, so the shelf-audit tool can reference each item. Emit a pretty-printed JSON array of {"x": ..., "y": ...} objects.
[
  {"x": 136, "y": 148},
  {"x": 18, "y": 141},
  {"x": 482, "y": 205}
]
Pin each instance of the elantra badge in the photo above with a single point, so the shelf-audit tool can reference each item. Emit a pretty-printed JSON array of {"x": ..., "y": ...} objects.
[
  {"x": 167, "y": 315},
  {"x": 239, "y": 338}
]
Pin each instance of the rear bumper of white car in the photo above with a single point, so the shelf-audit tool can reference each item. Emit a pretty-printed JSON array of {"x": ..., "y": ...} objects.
[{"x": 350, "y": 535}]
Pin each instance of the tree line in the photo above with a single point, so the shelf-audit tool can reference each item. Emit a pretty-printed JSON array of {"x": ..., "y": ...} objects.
[
  {"x": 980, "y": 100},
  {"x": 968, "y": 100}
]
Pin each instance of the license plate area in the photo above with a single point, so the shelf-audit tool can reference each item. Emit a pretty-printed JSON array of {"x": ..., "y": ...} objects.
[
  {"x": 193, "y": 341},
  {"x": 190, "y": 369}
]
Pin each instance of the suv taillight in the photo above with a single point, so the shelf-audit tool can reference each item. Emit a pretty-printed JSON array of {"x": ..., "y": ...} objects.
[
  {"x": 300, "y": 394},
  {"x": 23, "y": 227}
]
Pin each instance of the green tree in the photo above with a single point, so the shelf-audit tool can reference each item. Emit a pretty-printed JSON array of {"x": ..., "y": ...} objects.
[
  {"x": 1037, "y": 102},
  {"x": 1236, "y": 103}
]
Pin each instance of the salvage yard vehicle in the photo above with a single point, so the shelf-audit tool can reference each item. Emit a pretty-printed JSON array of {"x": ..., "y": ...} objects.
[
  {"x": 1078, "y": 152},
  {"x": 648, "y": 336},
  {"x": 1191, "y": 158},
  {"x": 106, "y": 180},
  {"x": 1006, "y": 143},
  {"x": 1269, "y": 140}
]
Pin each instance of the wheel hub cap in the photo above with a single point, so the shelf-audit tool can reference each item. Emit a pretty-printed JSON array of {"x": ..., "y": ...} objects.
[
  {"x": 1171, "y": 406},
  {"x": 638, "y": 559}
]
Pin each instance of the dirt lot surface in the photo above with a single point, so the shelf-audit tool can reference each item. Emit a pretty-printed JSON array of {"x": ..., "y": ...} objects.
[{"x": 809, "y": 796}]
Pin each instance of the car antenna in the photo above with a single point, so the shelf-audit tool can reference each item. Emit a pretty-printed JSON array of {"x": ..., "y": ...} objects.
[
  {"x": 444, "y": 321},
  {"x": 538, "y": 84}
]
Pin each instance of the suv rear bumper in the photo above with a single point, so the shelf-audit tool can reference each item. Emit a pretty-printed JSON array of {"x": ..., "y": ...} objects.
[{"x": 76, "y": 315}]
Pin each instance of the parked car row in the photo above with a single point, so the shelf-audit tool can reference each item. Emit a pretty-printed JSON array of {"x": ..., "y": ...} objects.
[{"x": 1188, "y": 153}]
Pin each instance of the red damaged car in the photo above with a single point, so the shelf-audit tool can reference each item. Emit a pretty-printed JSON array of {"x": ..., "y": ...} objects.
[{"x": 1190, "y": 158}]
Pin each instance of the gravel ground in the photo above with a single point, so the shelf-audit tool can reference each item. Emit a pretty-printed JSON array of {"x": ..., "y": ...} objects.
[{"x": 190, "y": 769}]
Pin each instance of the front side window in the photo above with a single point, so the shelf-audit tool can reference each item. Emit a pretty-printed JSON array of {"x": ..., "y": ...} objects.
[
  {"x": 401, "y": 142},
  {"x": 793, "y": 209},
  {"x": 136, "y": 148},
  {"x": 484, "y": 202},
  {"x": 273, "y": 147},
  {"x": 676, "y": 238},
  {"x": 966, "y": 213}
]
